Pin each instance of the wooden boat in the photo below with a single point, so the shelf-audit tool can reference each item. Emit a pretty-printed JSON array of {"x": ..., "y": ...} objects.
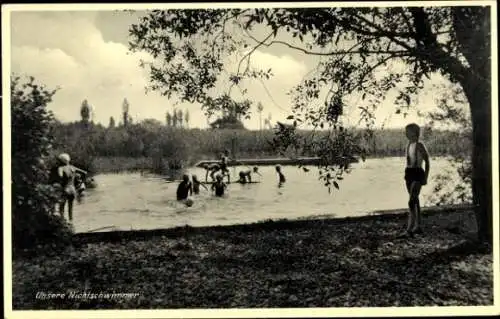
[
  {"x": 212, "y": 182},
  {"x": 270, "y": 161}
]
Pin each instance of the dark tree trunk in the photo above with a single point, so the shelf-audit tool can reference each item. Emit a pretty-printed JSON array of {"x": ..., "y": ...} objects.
[
  {"x": 472, "y": 29},
  {"x": 479, "y": 98}
]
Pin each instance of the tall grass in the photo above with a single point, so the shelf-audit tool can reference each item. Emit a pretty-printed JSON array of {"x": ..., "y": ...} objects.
[{"x": 138, "y": 146}]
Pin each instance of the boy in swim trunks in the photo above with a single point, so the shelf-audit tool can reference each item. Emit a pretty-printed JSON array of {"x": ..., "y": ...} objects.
[{"x": 415, "y": 176}]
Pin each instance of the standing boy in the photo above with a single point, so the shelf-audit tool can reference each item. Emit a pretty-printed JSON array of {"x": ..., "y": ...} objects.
[
  {"x": 224, "y": 162},
  {"x": 415, "y": 177}
]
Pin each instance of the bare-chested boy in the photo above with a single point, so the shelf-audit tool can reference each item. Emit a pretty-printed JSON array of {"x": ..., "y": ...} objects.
[{"x": 415, "y": 177}]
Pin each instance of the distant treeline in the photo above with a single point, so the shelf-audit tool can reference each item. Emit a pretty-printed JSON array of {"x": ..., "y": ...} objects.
[{"x": 151, "y": 145}]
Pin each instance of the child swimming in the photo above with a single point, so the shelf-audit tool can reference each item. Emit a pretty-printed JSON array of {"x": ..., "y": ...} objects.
[{"x": 219, "y": 186}]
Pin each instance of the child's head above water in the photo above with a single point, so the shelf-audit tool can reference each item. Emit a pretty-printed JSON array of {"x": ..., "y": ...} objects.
[
  {"x": 412, "y": 131},
  {"x": 255, "y": 169}
]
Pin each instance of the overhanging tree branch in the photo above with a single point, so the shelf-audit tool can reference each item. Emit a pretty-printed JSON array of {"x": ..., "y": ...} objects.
[
  {"x": 247, "y": 57},
  {"x": 431, "y": 51},
  {"x": 342, "y": 52},
  {"x": 379, "y": 33},
  {"x": 333, "y": 53}
]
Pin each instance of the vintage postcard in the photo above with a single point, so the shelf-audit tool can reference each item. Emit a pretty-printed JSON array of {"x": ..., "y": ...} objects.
[{"x": 217, "y": 160}]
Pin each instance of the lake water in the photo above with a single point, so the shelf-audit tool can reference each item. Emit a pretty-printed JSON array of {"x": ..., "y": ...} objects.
[{"x": 131, "y": 201}]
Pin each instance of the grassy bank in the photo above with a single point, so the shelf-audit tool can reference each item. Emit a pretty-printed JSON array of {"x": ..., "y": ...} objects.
[
  {"x": 113, "y": 164},
  {"x": 305, "y": 263}
]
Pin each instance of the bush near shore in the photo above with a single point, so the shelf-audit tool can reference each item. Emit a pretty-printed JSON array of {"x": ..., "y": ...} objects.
[{"x": 354, "y": 262}]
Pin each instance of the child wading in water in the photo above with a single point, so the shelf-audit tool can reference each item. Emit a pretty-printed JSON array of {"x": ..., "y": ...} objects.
[
  {"x": 415, "y": 177},
  {"x": 211, "y": 169},
  {"x": 185, "y": 188},
  {"x": 197, "y": 184},
  {"x": 281, "y": 177},
  {"x": 224, "y": 160},
  {"x": 67, "y": 174},
  {"x": 246, "y": 176},
  {"x": 218, "y": 186}
]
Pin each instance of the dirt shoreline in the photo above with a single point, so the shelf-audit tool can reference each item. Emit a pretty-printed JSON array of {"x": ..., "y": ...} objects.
[
  {"x": 112, "y": 235},
  {"x": 356, "y": 262}
]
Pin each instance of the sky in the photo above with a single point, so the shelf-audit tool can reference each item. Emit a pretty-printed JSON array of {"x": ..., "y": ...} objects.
[{"x": 85, "y": 54}]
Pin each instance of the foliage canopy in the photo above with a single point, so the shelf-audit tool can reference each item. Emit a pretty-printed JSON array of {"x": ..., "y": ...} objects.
[{"x": 190, "y": 49}]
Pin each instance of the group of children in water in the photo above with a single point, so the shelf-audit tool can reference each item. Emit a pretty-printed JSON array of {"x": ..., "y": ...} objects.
[
  {"x": 217, "y": 172},
  {"x": 415, "y": 177},
  {"x": 67, "y": 177}
]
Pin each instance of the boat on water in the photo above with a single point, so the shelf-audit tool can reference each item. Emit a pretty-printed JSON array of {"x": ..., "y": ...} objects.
[{"x": 275, "y": 161}]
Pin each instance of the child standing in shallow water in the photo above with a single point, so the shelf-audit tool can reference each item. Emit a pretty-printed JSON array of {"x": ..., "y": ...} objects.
[
  {"x": 224, "y": 162},
  {"x": 246, "y": 176},
  {"x": 281, "y": 177},
  {"x": 184, "y": 189},
  {"x": 66, "y": 174},
  {"x": 415, "y": 176},
  {"x": 219, "y": 186},
  {"x": 197, "y": 184}
]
